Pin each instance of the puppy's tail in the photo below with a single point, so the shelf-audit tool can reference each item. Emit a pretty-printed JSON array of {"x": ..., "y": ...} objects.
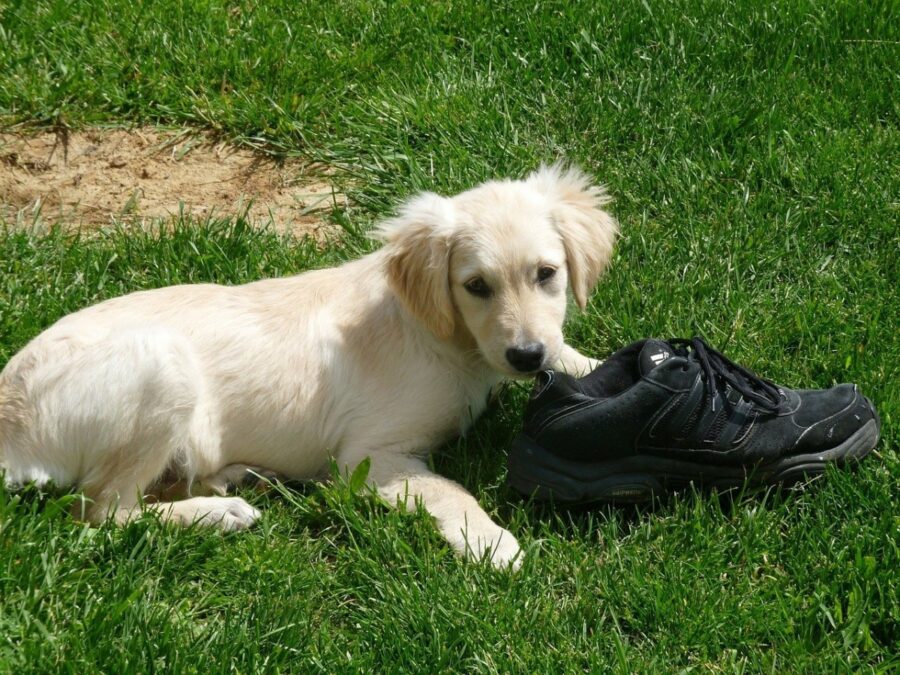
[
  {"x": 6, "y": 406},
  {"x": 13, "y": 423}
]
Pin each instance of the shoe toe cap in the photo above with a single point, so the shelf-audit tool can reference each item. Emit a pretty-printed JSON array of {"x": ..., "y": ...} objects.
[
  {"x": 821, "y": 404},
  {"x": 832, "y": 416}
]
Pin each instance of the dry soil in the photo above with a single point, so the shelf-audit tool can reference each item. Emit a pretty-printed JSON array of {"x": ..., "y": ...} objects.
[{"x": 93, "y": 178}]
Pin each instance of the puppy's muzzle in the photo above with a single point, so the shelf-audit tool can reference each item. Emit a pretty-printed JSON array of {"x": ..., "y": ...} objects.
[{"x": 527, "y": 358}]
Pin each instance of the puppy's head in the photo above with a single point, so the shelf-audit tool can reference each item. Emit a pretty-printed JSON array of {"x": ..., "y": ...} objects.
[{"x": 491, "y": 265}]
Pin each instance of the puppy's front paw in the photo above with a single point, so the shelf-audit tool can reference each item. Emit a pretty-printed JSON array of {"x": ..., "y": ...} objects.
[
  {"x": 589, "y": 366},
  {"x": 496, "y": 545},
  {"x": 575, "y": 364}
]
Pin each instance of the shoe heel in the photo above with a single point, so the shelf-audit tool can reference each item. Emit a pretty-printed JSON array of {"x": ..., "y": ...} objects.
[
  {"x": 537, "y": 473},
  {"x": 529, "y": 475}
]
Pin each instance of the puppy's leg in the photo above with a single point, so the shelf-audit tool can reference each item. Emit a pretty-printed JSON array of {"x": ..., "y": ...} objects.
[
  {"x": 116, "y": 491},
  {"x": 120, "y": 497},
  {"x": 112, "y": 418},
  {"x": 459, "y": 517},
  {"x": 174, "y": 430},
  {"x": 575, "y": 364}
]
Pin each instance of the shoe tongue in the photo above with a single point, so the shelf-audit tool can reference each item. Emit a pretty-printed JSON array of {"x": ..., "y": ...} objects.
[{"x": 654, "y": 353}]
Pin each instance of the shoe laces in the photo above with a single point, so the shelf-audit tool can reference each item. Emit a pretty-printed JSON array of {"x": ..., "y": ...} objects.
[{"x": 716, "y": 366}]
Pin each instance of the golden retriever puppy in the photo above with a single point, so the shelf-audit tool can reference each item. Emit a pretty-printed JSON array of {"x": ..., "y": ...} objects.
[{"x": 384, "y": 357}]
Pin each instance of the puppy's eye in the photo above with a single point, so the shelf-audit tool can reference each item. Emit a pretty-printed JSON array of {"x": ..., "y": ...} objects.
[
  {"x": 545, "y": 273},
  {"x": 477, "y": 287}
]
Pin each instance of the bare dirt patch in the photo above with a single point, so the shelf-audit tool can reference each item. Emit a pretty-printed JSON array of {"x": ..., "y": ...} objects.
[{"x": 95, "y": 177}]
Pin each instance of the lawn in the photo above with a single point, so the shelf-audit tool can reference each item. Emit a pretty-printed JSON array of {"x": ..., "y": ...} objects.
[{"x": 752, "y": 149}]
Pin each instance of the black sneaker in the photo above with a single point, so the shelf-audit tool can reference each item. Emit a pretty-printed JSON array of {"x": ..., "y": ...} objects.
[{"x": 662, "y": 415}]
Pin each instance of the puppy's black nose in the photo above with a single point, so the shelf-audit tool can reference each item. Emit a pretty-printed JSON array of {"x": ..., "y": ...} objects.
[{"x": 526, "y": 358}]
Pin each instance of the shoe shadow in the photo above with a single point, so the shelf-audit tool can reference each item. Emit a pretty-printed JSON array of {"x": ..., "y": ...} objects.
[{"x": 580, "y": 520}]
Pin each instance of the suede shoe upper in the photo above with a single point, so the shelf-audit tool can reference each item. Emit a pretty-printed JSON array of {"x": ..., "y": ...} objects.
[{"x": 681, "y": 398}]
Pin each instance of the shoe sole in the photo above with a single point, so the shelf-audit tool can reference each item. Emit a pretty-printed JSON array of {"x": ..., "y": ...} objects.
[{"x": 538, "y": 473}]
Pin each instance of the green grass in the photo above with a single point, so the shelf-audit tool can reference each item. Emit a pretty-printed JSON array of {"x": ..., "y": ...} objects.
[{"x": 752, "y": 148}]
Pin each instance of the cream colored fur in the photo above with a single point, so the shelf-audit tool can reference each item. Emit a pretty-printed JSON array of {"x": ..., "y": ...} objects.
[{"x": 384, "y": 357}]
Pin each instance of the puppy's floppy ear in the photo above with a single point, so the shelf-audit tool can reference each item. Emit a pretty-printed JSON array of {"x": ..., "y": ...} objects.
[
  {"x": 418, "y": 244},
  {"x": 588, "y": 232}
]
